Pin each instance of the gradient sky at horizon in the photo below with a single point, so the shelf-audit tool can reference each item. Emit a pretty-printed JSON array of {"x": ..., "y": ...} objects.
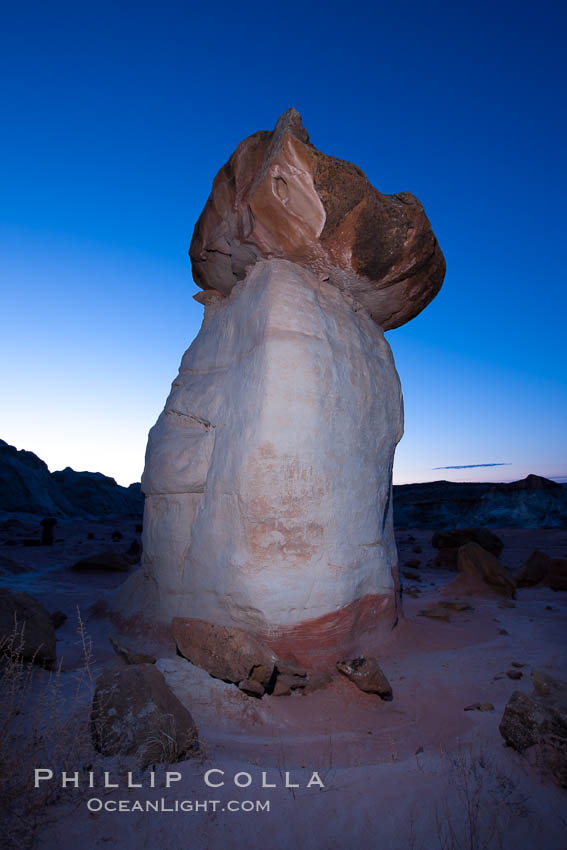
[{"x": 117, "y": 116}]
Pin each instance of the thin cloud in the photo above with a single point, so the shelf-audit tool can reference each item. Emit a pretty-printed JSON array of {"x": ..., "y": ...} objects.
[{"x": 472, "y": 465}]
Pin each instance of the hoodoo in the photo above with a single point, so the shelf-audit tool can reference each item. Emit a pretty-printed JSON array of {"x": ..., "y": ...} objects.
[{"x": 268, "y": 475}]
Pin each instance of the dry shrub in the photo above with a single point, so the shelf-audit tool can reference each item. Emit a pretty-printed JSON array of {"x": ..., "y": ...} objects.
[{"x": 479, "y": 804}]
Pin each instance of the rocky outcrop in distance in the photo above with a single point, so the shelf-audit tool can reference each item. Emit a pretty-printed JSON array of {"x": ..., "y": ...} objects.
[
  {"x": 28, "y": 487},
  {"x": 533, "y": 502}
]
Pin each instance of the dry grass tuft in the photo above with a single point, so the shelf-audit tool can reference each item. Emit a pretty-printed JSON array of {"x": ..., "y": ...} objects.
[{"x": 44, "y": 723}]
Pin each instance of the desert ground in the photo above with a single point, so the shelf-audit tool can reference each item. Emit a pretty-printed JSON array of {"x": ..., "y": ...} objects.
[{"x": 419, "y": 771}]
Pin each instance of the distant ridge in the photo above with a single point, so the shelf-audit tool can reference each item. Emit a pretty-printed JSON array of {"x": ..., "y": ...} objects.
[
  {"x": 532, "y": 502},
  {"x": 27, "y": 486}
]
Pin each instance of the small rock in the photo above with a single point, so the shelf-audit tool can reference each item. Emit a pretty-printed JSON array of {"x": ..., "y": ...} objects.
[
  {"x": 251, "y": 687},
  {"x": 455, "y": 605},
  {"x": 411, "y": 576},
  {"x": 435, "y": 613},
  {"x": 506, "y": 603},
  {"x": 286, "y": 683},
  {"x": 262, "y": 673},
  {"x": 117, "y": 535},
  {"x": 502, "y": 632},
  {"x": 412, "y": 563},
  {"x": 417, "y": 549},
  {"x": 517, "y": 664},
  {"x": 479, "y": 706},
  {"x": 514, "y": 674},
  {"x": 317, "y": 682},
  {"x": 367, "y": 675},
  {"x": 289, "y": 668}
]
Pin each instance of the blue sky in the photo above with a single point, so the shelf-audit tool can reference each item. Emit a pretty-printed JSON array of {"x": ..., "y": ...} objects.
[{"x": 116, "y": 117}]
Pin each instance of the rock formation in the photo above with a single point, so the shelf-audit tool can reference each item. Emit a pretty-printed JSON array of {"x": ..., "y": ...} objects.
[
  {"x": 268, "y": 477},
  {"x": 26, "y": 627}
]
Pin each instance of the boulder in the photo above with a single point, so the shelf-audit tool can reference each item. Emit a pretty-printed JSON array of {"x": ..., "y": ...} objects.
[
  {"x": 538, "y": 722},
  {"x": 480, "y": 573},
  {"x": 230, "y": 654},
  {"x": 135, "y": 713},
  {"x": 278, "y": 196},
  {"x": 23, "y": 616},
  {"x": 535, "y": 570},
  {"x": 543, "y": 569},
  {"x": 557, "y": 574},
  {"x": 105, "y": 562},
  {"x": 449, "y": 542},
  {"x": 367, "y": 675},
  {"x": 129, "y": 654}
]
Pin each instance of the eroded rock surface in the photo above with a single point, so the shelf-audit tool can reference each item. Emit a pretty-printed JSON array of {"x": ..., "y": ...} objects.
[{"x": 278, "y": 196}]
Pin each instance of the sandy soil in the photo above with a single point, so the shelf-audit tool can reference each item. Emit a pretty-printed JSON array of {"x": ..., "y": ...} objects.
[{"x": 417, "y": 772}]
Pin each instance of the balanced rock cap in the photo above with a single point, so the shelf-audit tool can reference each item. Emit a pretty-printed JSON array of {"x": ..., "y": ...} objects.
[{"x": 278, "y": 196}]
